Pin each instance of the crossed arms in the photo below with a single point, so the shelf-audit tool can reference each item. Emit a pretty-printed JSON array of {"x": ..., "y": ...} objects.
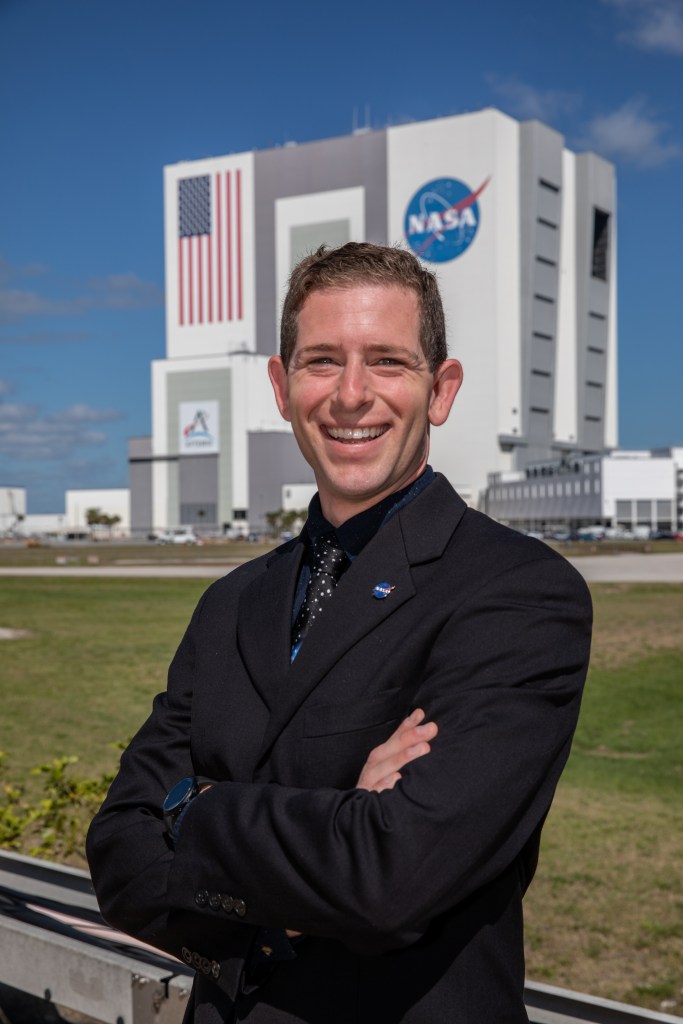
[{"x": 373, "y": 865}]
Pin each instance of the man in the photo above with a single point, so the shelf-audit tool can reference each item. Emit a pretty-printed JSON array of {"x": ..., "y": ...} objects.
[{"x": 328, "y": 864}]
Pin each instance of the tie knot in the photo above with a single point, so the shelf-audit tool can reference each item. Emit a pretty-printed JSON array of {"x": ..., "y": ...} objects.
[{"x": 328, "y": 556}]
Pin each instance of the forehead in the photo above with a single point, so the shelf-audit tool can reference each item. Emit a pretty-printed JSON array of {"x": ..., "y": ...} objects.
[{"x": 371, "y": 308}]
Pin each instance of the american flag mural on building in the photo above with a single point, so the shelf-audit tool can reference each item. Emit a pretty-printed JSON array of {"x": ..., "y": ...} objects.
[{"x": 210, "y": 287}]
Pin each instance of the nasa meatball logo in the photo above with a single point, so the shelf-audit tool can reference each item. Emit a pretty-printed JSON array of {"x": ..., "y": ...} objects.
[{"x": 442, "y": 219}]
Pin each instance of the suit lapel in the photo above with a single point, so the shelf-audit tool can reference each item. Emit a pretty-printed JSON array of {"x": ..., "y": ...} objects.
[
  {"x": 353, "y": 612},
  {"x": 264, "y": 621},
  {"x": 417, "y": 534}
]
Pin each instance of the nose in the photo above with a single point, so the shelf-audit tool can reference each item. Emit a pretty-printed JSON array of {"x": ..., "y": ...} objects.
[{"x": 352, "y": 386}]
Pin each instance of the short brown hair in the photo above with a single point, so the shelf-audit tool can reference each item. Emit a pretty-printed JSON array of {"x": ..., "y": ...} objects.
[{"x": 358, "y": 263}]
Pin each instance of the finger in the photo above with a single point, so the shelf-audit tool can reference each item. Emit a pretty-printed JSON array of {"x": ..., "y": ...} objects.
[
  {"x": 411, "y": 730},
  {"x": 373, "y": 775},
  {"x": 387, "y": 783}
]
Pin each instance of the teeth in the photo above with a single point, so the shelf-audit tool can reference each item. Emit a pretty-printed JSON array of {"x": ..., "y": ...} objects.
[{"x": 354, "y": 434}]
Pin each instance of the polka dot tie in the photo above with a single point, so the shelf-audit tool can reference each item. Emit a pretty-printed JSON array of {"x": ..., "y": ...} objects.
[{"x": 328, "y": 562}]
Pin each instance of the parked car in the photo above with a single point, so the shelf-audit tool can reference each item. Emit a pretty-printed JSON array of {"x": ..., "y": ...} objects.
[{"x": 177, "y": 537}]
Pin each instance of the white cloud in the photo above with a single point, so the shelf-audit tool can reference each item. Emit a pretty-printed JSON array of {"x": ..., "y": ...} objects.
[
  {"x": 527, "y": 102},
  {"x": 631, "y": 134},
  {"x": 654, "y": 25},
  {"x": 115, "y": 291},
  {"x": 44, "y": 337},
  {"x": 28, "y": 433}
]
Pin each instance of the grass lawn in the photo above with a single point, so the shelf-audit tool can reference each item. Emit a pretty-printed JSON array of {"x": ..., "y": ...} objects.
[{"x": 605, "y": 913}]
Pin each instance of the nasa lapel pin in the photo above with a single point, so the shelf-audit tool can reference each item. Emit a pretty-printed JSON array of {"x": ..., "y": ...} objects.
[{"x": 382, "y": 590}]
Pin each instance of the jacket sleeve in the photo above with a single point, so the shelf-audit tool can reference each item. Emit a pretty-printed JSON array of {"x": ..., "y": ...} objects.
[
  {"x": 503, "y": 681},
  {"x": 128, "y": 852}
]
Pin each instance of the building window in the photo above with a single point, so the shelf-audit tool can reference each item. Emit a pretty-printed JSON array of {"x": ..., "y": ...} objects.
[
  {"x": 239, "y": 513},
  {"x": 577, "y": 487},
  {"x": 600, "y": 239},
  {"x": 544, "y": 183},
  {"x": 551, "y": 490},
  {"x": 546, "y": 223},
  {"x": 545, "y": 261},
  {"x": 544, "y": 298},
  {"x": 593, "y": 384},
  {"x": 592, "y": 419},
  {"x": 543, "y": 337},
  {"x": 596, "y": 486},
  {"x": 537, "y": 408},
  {"x": 541, "y": 373},
  {"x": 586, "y": 486},
  {"x": 644, "y": 511},
  {"x": 596, "y": 350},
  {"x": 596, "y": 316},
  {"x": 542, "y": 490}
]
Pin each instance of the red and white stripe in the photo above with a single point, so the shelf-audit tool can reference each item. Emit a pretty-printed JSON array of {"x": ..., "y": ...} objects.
[{"x": 210, "y": 267}]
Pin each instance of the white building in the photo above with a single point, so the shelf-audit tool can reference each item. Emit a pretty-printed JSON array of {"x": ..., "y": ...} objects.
[
  {"x": 12, "y": 508},
  {"x": 521, "y": 232},
  {"x": 110, "y": 501},
  {"x": 633, "y": 490}
]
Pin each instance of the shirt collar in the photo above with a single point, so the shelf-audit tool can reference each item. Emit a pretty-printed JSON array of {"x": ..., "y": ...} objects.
[{"x": 356, "y": 532}]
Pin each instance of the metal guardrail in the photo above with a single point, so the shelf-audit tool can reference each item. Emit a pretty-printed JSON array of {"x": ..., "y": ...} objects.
[{"x": 55, "y": 946}]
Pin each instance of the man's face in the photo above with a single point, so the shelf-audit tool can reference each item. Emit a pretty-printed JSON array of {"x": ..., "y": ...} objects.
[{"x": 360, "y": 395}]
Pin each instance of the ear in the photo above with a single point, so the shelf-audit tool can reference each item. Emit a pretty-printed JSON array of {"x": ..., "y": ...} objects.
[
  {"x": 447, "y": 381},
  {"x": 278, "y": 378}
]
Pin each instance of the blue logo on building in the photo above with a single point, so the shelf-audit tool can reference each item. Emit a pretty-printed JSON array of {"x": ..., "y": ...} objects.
[{"x": 442, "y": 219}]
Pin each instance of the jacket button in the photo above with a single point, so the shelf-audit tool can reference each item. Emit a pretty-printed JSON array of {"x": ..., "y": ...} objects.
[
  {"x": 215, "y": 901},
  {"x": 227, "y": 903},
  {"x": 201, "y": 897},
  {"x": 240, "y": 907},
  {"x": 215, "y": 969},
  {"x": 186, "y": 955}
]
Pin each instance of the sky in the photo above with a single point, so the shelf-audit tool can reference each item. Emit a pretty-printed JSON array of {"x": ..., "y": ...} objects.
[{"x": 96, "y": 97}]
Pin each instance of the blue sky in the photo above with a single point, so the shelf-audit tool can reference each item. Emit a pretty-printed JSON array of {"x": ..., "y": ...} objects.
[{"x": 97, "y": 96}]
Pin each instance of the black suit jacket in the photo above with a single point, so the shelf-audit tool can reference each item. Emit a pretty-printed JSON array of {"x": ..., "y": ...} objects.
[{"x": 410, "y": 899}]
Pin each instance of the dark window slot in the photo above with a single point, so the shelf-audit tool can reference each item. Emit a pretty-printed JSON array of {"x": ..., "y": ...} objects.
[
  {"x": 544, "y": 183},
  {"x": 600, "y": 243}
]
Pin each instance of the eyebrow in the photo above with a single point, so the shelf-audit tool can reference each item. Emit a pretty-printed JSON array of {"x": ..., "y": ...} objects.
[{"x": 374, "y": 348}]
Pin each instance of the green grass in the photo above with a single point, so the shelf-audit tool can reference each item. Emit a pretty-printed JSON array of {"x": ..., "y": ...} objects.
[
  {"x": 605, "y": 913},
  {"x": 84, "y": 679}
]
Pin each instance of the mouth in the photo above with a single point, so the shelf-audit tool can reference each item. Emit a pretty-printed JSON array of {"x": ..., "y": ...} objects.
[{"x": 355, "y": 435}]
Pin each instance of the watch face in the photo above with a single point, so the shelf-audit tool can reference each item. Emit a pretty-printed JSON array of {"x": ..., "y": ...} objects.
[{"x": 179, "y": 794}]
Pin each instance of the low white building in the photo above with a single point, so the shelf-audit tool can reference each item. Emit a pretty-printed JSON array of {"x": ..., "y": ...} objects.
[
  {"x": 637, "y": 490},
  {"x": 12, "y": 508},
  {"x": 110, "y": 501}
]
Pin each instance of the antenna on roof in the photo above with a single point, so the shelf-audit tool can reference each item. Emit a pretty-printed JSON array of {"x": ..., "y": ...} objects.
[{"x": 361, "y": 129}]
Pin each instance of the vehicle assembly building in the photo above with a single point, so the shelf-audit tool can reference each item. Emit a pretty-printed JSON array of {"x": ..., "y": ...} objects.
[{"x": 521, "y": 234}]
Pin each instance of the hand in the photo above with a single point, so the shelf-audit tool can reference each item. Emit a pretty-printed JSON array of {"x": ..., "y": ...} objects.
[{"x": 382, "y": 770}]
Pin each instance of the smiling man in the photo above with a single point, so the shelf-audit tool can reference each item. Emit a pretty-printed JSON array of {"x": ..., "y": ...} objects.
[{"x": 288, "y": 821}]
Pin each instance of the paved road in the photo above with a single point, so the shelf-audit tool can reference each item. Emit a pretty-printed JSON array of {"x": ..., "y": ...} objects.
[
  {"x": 621, "y": 568},
  {"x": 631, "y": 568}
]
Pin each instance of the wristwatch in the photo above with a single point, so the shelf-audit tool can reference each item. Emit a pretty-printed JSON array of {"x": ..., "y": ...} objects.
[{"x": 180, "y": 796}]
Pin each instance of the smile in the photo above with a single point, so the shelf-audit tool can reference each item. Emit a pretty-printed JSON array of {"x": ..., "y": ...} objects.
[{"x": 355, "y": 433}]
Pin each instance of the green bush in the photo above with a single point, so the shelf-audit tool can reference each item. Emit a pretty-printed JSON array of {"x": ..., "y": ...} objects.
[{"x": 54, "y": 824}]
